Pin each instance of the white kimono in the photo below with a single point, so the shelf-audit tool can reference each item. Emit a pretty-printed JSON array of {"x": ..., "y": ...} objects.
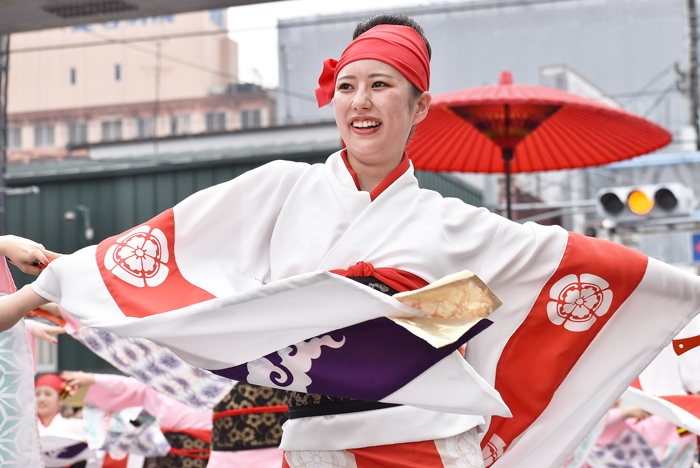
[
  {"x": 64, "y": 442},
  {"x": 581, "y": 317}
]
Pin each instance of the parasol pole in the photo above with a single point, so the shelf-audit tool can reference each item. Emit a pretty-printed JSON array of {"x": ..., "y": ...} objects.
[
  {"x": 507, "y": 158},
  {"x": 507, "y": 154}
]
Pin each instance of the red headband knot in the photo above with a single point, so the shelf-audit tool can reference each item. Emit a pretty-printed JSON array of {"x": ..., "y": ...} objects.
[
  {"x": 399, "y": 46},
  {"x": 51, "y": 380}
]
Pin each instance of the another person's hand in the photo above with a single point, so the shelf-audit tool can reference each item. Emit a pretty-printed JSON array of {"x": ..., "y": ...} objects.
[
  {"x": 634, "y": 412},
  {"x": 25, "y": 254},
  {"x": 78, "y": 378},
  {"x": 46, "y": 332}
]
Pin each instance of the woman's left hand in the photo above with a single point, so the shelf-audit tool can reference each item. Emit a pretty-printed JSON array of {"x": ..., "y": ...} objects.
[
  {"x": 79, "y": 378},
  {"x": 46, "y": 332}
]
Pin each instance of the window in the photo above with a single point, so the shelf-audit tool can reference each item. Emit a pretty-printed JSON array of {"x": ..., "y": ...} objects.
[
  {"x": 43, "y": 136},
  {"x": 117, "y": 73},
  {"x": 73, "y": 77},
  {"x": 14, "y": 138},
  {"x": 112, "y": 130},
  {"x": 77, "y": 133},
  {"x": 216, "y": 121},
  {"x": 217, "y": 16},
  {"x": 46, "y": 357},
  {"x": 179, "y": 124},
  {"x": 145, "y": 127},
  {"x": 250, "y": 118}
]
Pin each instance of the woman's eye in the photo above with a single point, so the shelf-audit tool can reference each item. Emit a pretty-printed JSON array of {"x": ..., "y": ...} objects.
[
  {"x": 344, "y": 86},
  {"x": 379, "y": 84}
]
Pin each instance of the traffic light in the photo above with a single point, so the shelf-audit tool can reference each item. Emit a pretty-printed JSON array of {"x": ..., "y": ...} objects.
[{"x": 634, "y": 203}]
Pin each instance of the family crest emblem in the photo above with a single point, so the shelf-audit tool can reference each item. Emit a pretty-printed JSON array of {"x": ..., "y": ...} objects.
[
  {"x": 139, "y": 257},
  {"x": 578, "y": 300}
]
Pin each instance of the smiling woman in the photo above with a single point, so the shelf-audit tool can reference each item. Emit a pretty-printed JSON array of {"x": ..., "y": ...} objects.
[{"x": 380, "y": 92}]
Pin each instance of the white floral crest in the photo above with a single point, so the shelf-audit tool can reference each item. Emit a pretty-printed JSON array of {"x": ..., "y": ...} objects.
[
  {"x": 139, "y": 257},
  {"x": 578, "y": 300}
]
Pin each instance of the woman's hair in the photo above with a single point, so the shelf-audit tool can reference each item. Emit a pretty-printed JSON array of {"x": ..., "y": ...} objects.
[
  {"x": 395, "y": 19},
  {"x": 390, "y": 18}
]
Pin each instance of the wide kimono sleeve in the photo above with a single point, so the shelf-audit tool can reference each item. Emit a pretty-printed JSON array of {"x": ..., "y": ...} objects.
[
  {"x": 214, "y": 242},
  {"x": 581, "y": 318}
]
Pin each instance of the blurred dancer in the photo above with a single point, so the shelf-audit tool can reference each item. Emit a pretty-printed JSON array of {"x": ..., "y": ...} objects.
[
  {"x": 187, "y": 430},
  {"x": 63, "y": 441},
  {"x": 635, "y": 439}
]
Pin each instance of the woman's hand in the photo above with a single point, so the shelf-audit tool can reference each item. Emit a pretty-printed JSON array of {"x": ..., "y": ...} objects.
[
  {"x": 78, "y": 378},
  {"x": 46, "y": 332},
  {"x": 634, "y": 412},
  {"x": 15, "y": 306},
  {"x": 27, "y": 255}
]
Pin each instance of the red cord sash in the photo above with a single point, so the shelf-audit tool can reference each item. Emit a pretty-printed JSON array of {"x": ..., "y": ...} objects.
[
  {"x": 250, "y": 410},
  {"x": 201, "y": 454}
]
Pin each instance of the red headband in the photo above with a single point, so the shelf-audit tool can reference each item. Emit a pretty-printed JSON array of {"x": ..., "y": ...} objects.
[
  {"x": 399, "y": 46},
  {"x": 50, "y": 380}
]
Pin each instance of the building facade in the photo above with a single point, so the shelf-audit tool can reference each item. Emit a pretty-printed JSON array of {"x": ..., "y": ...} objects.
[{"x": 124, "y": 80}]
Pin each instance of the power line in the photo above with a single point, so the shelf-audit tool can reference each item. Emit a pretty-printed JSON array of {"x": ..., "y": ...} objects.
[
  {"x": 659, "y": 99},
  {"x": 130, "y": 40},
  {"x": 202, "y": 68},
  {"x": 643, "y": 90}
]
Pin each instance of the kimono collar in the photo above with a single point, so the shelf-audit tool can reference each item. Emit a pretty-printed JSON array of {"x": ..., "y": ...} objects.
[{"x": 393, "y": 176}]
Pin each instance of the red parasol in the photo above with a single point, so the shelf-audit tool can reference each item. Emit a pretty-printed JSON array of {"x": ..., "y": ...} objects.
[{"x": 522, "y": 128}]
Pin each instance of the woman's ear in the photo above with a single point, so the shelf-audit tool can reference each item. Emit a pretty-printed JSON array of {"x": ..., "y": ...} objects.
[{"x": 422, "y": 106}]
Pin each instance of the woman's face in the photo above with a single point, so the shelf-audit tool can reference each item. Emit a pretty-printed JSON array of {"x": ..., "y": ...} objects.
[
  {"x": 48, "y": 403},
  {"x": 375, "y": 109}
]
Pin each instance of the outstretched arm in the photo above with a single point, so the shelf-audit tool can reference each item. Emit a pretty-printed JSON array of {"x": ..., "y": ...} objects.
[{"x": 17, "y": 305}]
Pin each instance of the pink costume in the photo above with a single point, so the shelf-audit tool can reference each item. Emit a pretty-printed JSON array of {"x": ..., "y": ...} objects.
[
  {"x": 655, "y": 430},
  {"x": 113, "y": 392},
  {"x": 257, "y": 458}
]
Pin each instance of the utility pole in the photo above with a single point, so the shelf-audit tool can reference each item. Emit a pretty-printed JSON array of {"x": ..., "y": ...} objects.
[
  {"x": 156, "y": 103},
  {"x": 284, "y": 50},
  {"x": 693, "y": 92},
  {"x": 4, "y": 74}
]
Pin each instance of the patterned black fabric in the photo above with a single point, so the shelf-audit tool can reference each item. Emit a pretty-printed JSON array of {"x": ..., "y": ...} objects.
[
  {"x": 305, "y": 405},
  {"x": 249, "y": 431},
  {"x": 182, "y": 441}
]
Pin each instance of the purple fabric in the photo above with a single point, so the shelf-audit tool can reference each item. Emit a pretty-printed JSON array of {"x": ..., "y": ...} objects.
[
  {"x": 629, "y": 450},
  {"x": 72, "y": 451},
  {"x": 377, "y": 358}
]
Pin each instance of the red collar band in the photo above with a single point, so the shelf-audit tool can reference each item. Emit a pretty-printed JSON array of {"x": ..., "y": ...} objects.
[
  {"x": 399, "y": 46},
  {"x": 393, "y": 176}
]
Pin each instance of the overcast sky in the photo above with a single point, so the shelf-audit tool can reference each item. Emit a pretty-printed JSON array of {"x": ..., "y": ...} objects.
[{"x": 254, "y": 28}]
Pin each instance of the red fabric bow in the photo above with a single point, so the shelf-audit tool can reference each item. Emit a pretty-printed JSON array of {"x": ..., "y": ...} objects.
[
  {"x": 399, "y": 46},
  {"x": 397, "y": 279}
]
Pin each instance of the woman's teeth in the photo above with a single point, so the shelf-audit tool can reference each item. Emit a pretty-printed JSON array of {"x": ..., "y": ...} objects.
[{"x": 365, "y": 123}]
